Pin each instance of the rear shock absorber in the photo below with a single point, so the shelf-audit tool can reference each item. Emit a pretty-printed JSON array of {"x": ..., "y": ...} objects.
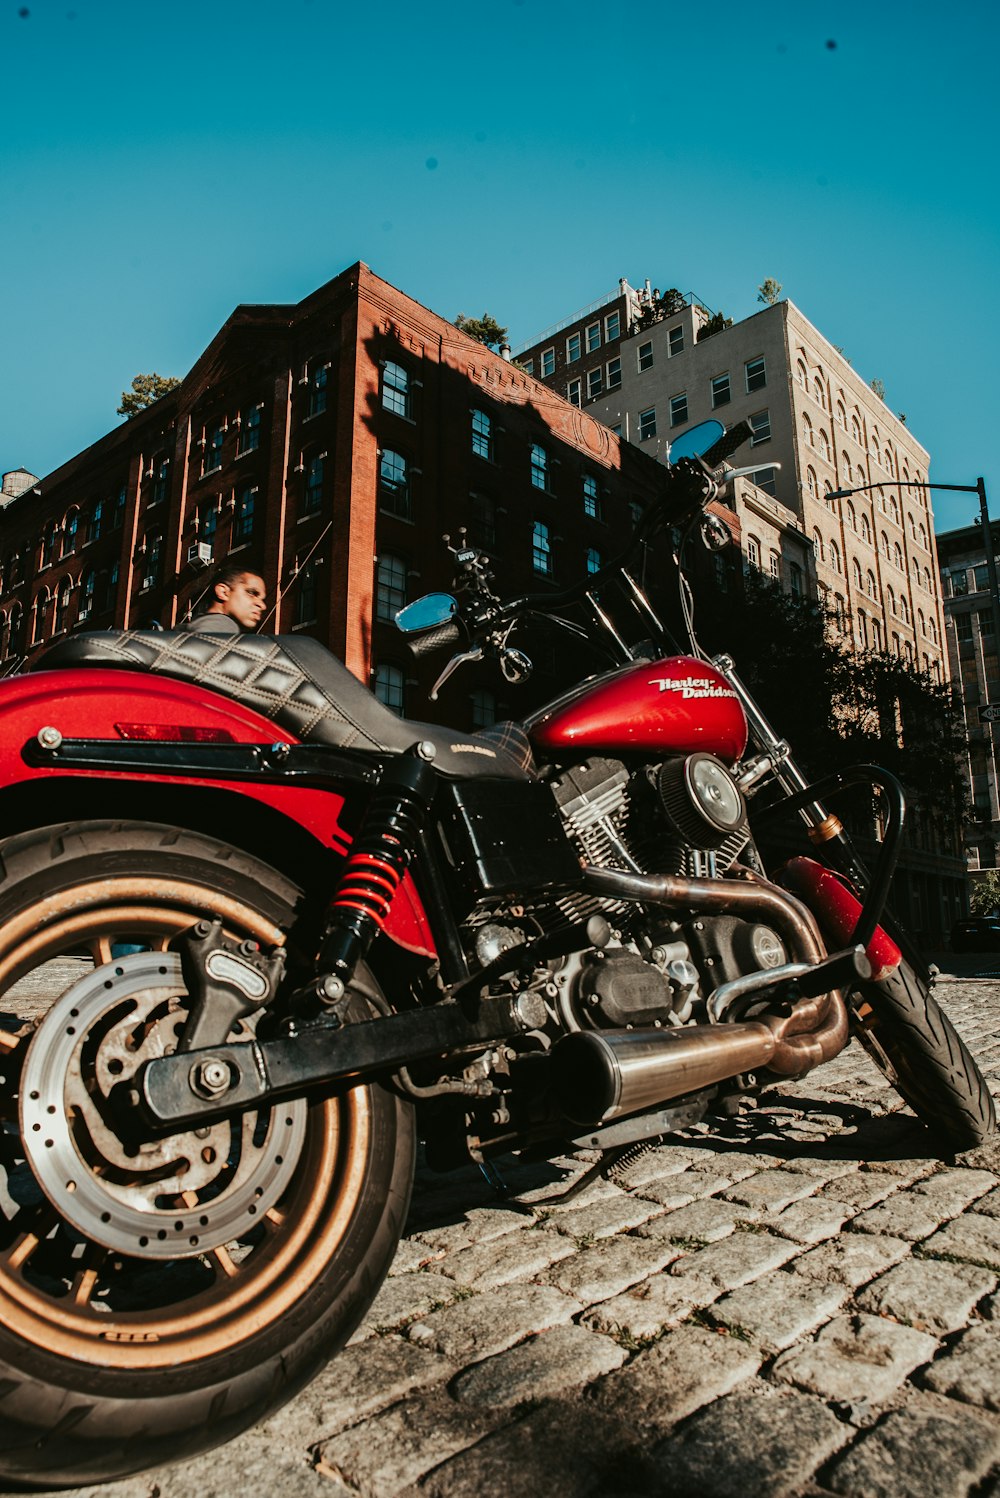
[{"x": 376, "y": 863}]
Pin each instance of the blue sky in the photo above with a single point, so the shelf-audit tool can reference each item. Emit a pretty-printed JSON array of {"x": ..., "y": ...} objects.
[{"x": 161, "y": 163}]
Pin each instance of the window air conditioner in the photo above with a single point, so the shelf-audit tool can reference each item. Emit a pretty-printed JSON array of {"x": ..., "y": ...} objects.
[{"x": 199, "y": 554}]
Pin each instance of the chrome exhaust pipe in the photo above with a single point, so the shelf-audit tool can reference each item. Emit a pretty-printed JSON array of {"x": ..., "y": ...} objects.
[{"x": 597, "y": 1076}]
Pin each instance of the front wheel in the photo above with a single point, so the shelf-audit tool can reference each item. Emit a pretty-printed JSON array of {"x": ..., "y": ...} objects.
[
  {"x": 913, "y": 1042},
  {"x": 157, "y": 1297}
]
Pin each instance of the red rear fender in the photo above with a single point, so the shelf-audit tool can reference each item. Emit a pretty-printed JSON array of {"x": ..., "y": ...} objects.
[{"x": 837, "y": 908}]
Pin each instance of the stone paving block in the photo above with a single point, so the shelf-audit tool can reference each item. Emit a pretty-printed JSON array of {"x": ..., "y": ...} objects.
[
  {"x": 953, "y": 1190},
  {"x": 972, "y": 1237},
  {"x": 488, "y": 1323},
  {"x": 609, "y": 1267},
  {"x": 856, "y": 1358},
  {"x": 748, "y": 1445},
  {"x": 989, "y": 1205},
  {"x": 567, "y": 1357},
  {"x": 810, "y": 1221},
  {"x": 777, "y": 1310},
  {"x": 392, "y": 1450},
  {"x": 734, "y": 1164},
  {"x": 673, "y": 1191},
  {"x": 852, "y": 1259},
  {"x": 771, "y": 1190},
  {"x": 861, "y": 1188},
  {"x": 681, "y": 1372},
  {"x": 360, "y": 1381},
  {"x": 825, "y": 1168},
  {"x": 666, "y": 1160},
  {"x": 646, "y": 1309},
  {"x": 565, "y": 1448},
  {"x": 480, "y": 1225},
  {"x": 929, "y": 1294},
  {"x": 917, "y": 1453},
  {"x": 735, "y": 1260},
  {"x": 411, "y": 1254},
  {"x": 700, "y": 1222},
  {"x": 905, "y": 1215},
  {"x": 516, "y": 1256},
  {"x": 970, "y": 1370},
  {"x": 602, "y": 1219},
  {"x": 403, "y": 1299}
]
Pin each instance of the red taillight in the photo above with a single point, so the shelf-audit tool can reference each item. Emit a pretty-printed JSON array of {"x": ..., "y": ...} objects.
[{"x": 173, "y": 733}]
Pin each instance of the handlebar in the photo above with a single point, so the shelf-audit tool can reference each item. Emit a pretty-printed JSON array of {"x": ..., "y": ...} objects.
[{"x": 444, "y": 637}]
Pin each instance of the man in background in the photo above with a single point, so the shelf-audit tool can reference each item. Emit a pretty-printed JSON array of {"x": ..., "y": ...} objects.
[{"x": 237, "y": 600}]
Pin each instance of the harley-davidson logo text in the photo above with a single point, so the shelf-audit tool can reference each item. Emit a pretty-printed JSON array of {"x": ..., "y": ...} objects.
[{"x": 692, "y": 686}]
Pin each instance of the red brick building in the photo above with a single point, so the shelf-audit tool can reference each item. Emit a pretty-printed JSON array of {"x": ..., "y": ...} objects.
[{"x": 330, "y": 443}]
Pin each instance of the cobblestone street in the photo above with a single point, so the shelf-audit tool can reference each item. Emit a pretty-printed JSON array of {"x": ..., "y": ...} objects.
[{"x": 803, "y": 1301}]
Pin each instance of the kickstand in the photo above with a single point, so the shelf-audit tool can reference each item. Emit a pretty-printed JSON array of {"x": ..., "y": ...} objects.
[
  {"x": 494, "y": 1179},
  {"x": 602, "y": 1167}
]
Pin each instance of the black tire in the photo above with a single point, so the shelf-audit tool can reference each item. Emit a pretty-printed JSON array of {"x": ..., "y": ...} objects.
[
  {"x": 914, "y": 1043},
  {"x": 110, "y": 1362}
]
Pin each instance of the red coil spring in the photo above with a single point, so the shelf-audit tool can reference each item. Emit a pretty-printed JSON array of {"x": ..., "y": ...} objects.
[{"x": 368, "y": 884}]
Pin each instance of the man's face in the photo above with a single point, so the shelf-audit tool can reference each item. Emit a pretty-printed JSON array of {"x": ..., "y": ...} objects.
[{"x": 244, "y": 600}]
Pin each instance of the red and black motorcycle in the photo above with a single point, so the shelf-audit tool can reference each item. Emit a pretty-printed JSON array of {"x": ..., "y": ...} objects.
[{"x": 257, "y": 934}]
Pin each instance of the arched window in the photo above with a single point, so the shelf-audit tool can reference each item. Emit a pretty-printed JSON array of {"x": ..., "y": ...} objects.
[
  {"x": 932, "y": 633},
  {"x": 541, "y": 550},
  {"x": 15, "y": 631},
  {"x": 871, "y": 587},
  {"x": 856, "y": 429},
  {"x": 807, "y": 431},
  {"x": 863, "y": 628},
  {"x": 817, "y": 540},
  {"x": 823, "y": 443},
  {"x": 897, "y": 555},
  {"x": 71, "y": 527},
  {"x": 904, "y": 609},
  {"x": 889, "y": 458},
  {"x": 63, "y": 595},
  {"x": 390, "y": 586},
  {"x": 753, "y": 551},
  {"x": 390, "y": 687},
  {"x": 841, "y": 415},
  {"x": 876, "y": 634},
  {"x": 856, "y": 574},
  {"x": 866, "y": 530},
  {"x": 883, "y": 542},
  {"x": 819, "y": 394},
  {"x": 890, "y": 599},
  {"x": 834, "y": 551},
  {"x": 88, "y": 586},
  {"x": 811, "y": 483},
  {"x": 49, "y": 537},
  {"x": 38, "y": 612},
  {"x": 922, "y": 536},
  {"x": 800, "y": 375},
  {"x": 893, "y": 509},
  {"x": 151, "y": 557},
  {"x": 852, "y": 516}
]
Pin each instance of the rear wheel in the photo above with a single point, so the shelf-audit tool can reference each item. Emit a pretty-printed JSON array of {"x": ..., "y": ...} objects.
[
  {"x": 157, "y": 1298},
  {"x": 914, "y": 1043}
]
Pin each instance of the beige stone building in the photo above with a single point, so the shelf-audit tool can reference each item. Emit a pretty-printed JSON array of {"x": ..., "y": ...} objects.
[{"x": 650, "y": 366}]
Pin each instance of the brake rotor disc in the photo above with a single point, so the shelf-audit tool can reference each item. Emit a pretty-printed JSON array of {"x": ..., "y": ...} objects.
[{"x": 159, "y": 1199}]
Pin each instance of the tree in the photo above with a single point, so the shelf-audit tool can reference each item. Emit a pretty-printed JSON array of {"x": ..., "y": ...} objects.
[
  {"x": 879, "y": 388},
  {"x": 769, "y": 291},
  {"x": 484, "y": 329},
  {"x": 717, "y": 323},
  {"x": 984, "y": 898},
  {"x": 146, "y": 388}
]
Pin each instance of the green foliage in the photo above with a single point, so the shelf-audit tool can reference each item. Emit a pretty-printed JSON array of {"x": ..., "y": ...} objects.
[
  {"x": 484, "y": 329},
  {"x": 146, "y": 388},
  {"x": 769, "y": 291},
  {"x": 984, "y": 896},
  {"x": 717, "y": 323},
  {"x": 670, "y": 302},
  {"x": 879, "y": 388}
]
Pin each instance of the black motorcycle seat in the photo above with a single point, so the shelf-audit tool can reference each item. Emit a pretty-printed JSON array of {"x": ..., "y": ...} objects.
[{"x": 296, "y": 682}]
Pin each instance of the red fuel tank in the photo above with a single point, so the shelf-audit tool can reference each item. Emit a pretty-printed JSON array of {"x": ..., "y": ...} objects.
[{"x": 672, "y": 706}]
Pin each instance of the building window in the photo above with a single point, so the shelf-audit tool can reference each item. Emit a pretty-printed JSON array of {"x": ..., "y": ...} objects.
[
  {"x": 573, "y": 346},
  {"x": 756, "y": 375},
  {"x": 152, "y": 556},
  {"x": 645, "y": 355},
  {"x": 38, "y": 612},
  {"x": 70, "y": 531},
  {"x": 483, "y": 517},
  {"x": 614, "y": 369},
  {"x": 678, "y": 409},
  {"x": 118, "y": 513},
  {"x": 394, "y": 484},
  {"x": 312, "y": 499},
  {"x": 593, "y": 337},
  {"x": 243, "y": 518},
  {"x": 548, "y": 362},
  {"x": 595, "y": 383},
  {"x": 541, "y": 551},
  {"x": 647, "y": 424},
  {"x": 482, "y": 435},
  {"x": 108, "y": 591},
  {"x": 390, "y": 687},
  {"x": 573, "y": 394},
  {"x": 753, "y": 552},
  {"x": 484, "y": 708},
  {"x": 963, "y": 628},
  {"x": 593, "y": 558},
  {"x": 306, "y": 597},
  {"x": 208, "y": 520},
  {"x": 959, "y": 581},
  {"x": 795, "y": 579},
  {"x": 635, "y": 511},
  {"x": 161, "y": 478},
  {"x": 834, "y": 556},
  {"x": 88, "y": 585},
  {"x": 766, "y": 479},
  {"x": 390, "y": 587},
  {"x": 250, "y": 430},
  {"x": 675, "y": 342},
  {"x": 212, "y": 458},
  {"x": 866, "y": 530},
  {"x": 539, "y": 467},
  {"x": 95, "y": 524},
  {"x": 63, "y": 596},
  {"x": 396, "y": 389},
  {"x": 761, "y": 423},
  {"x": 775, "y": 565},
  {"x": 318, "y": 381},
  {"x": 591, "y": 498},
  {"x": 871, "y": 587},
  {"x": 721, "y": 393},
  {"x": 612, "y": 326},
  {"x": 528, "y": 365}
]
